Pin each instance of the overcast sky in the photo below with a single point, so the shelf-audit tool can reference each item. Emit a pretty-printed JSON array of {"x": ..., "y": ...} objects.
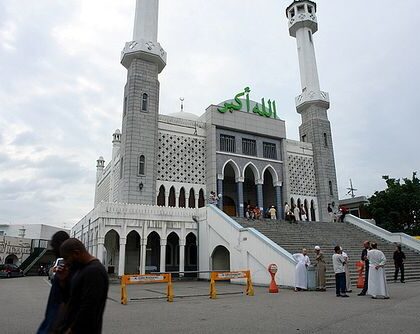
[{"x": 61, "y": 86}]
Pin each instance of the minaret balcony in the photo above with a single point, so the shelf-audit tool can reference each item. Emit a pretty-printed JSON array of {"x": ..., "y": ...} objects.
[
  {"x": 303, "y": 20},
  {"x": 146, "y": 50},
  {"x": 318, "y": 98}
]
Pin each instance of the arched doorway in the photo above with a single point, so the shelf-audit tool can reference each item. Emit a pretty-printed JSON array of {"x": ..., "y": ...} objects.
[
  {"x": 182, "y": 198},
  {"x": 191, "y": 199},
  {"x": 161, "y": 196},
  {"x": 250, "y": 188},
  {"x": 191, "y": 254},
  {"x": 220, "y": 259},
  {"x": 269, "y": 192},
  {"x": 153, "y": 252},
  {"x": 229, "y": 190},
  {"x": 172, "y": 252},
  {"x": 201, "y": 200},
  {"x": 11, "y": 259},
  {"x": 171, "y": 199},
  {"x": 112, "y": 247},
  {"x": 132, "y": 253}
]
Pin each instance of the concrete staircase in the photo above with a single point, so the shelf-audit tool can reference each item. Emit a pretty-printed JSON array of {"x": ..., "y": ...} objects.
[{"x": 294, "y": 237}]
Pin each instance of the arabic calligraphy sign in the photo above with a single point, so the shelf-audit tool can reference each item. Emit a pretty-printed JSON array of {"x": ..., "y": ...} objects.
[{"x": 268, "y": 110}]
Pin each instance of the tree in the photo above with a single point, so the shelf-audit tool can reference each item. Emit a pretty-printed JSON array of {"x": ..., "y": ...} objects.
[{"x": 397, "y": 208}]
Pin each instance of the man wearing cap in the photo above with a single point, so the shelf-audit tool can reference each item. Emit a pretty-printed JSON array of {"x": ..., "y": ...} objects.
[{"x": 321, "y": 268}]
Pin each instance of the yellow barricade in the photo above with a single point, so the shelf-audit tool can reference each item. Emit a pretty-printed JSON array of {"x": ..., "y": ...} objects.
[
  {"x": 226, "y": 276},
  {"x": 146, "y": 279}
]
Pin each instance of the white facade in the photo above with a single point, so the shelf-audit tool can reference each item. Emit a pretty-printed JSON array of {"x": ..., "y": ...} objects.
[
  {"x": 29, "y": 231},
  {"x": 14, "y": 250}
]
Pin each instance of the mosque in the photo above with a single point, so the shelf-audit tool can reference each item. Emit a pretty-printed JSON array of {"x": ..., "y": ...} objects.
[{"x": 150, "y": 210}]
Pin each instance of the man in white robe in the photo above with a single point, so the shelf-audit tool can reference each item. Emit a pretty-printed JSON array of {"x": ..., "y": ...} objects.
[
  {"x": 377, "y": 285},
  {"x": 301, "y": 273}
]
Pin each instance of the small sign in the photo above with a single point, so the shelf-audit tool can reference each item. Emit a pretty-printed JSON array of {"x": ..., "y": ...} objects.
[
  {"x": 146, "y": 278},
  {"x": 231, "y": 275}
]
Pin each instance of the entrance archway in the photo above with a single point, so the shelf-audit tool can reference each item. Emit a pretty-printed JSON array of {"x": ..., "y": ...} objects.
[
  {"x": 11, "y": 259},
  {"x": 250, "y": 188},
  {"x": 220, "y": 259},
  {"x": 269, "y": 193},
  {"x": 112, "y": 247},
  {"x": 229, "y": 190},
  {"x": 191, "y": 254},
  {"x": 153, "y": 252},
  {"x": 172, "y": 252},
  {"x": 132, "y": 253}
]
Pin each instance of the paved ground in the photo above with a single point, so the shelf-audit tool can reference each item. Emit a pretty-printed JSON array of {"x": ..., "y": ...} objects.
[{"x": 22, "y": 304}]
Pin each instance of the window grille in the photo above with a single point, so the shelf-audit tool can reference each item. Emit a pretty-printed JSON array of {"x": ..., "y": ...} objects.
[
  {"x": 227, "y": 143},
  {"x": 249, "y": 147}
]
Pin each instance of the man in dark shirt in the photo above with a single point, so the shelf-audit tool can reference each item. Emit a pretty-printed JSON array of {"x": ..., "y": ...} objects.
[
  {"x": 399, "y": 258},
  {"x": 366, "y": 248},
  {"x": 88, "y": 290},
  {"x": 57, "y": 296}
]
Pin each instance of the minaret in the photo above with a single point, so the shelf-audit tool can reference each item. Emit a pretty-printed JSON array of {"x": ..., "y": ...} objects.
[
  {"x": 144, "y": 59},
  {"x": 313, "y": 104},
  {"x": 100, "y": 165}
]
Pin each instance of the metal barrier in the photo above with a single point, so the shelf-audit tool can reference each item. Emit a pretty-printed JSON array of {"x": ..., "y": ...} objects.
[
  {"x": 146, "y": 279},
  {"x": 226, "y": 276}
]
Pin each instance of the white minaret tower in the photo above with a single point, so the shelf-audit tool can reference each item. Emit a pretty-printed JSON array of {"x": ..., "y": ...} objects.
[
  {"x": 313, "y": 104},
  {"x": 144, "y": 59}
]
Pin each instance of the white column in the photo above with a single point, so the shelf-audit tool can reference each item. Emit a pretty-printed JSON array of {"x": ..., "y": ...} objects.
[
  {"x": 121, "y": 261},
  {"x": 163, "y": 243},
  {"x": 177, "y": 200},
  {"x": 143, "y": 256},
  {"x": 100, "y": 250},
  {"x": 196, "y": 200},
  {"x": 181, "y": 256}
]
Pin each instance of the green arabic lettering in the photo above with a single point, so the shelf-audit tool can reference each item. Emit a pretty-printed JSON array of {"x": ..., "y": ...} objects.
[
  {"x": 270, "y": 111},
  {"x": 274, "y": 110},
  {"x": 247, "y": 91}
]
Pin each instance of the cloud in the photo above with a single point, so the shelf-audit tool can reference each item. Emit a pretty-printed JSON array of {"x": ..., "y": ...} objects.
[{"x": 62, "y": 86}]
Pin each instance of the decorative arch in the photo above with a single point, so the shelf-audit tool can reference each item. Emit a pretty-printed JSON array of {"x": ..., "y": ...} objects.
[
  {"x": 234, "y": 166},
  {"x": 191, "y": 253},
  {"x": 172, "y": 252},
  {"x": 254, "y": 170},
  {"x": 201, "y": 199},
  {"x": 132, "y": 253},
  {"x": 273, "y": 172},
  {"x": 161, "y": 196},
  {"x": 171, "y": 198},
  {"x": 112, "y": 248},
  {"x": 181, "y": 200},
  {"x": 153, "y": 252},
  {"x": 11, "y": 259},
  {"x": 220, "y": 258},
  {"x": 154, "y": 231},
  {"x": 191, "y": 199}
]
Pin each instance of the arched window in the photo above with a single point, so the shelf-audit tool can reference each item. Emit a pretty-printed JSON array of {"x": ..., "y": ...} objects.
[
  {"x": 144, "y": 102},
  {"x": 201, "y": 200},
  {"x": 191, "y": 199},
  {"x": 142, "y": 165},
  {"x": 161, "y": 196},
  {"x": 171, "y": 199}
]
